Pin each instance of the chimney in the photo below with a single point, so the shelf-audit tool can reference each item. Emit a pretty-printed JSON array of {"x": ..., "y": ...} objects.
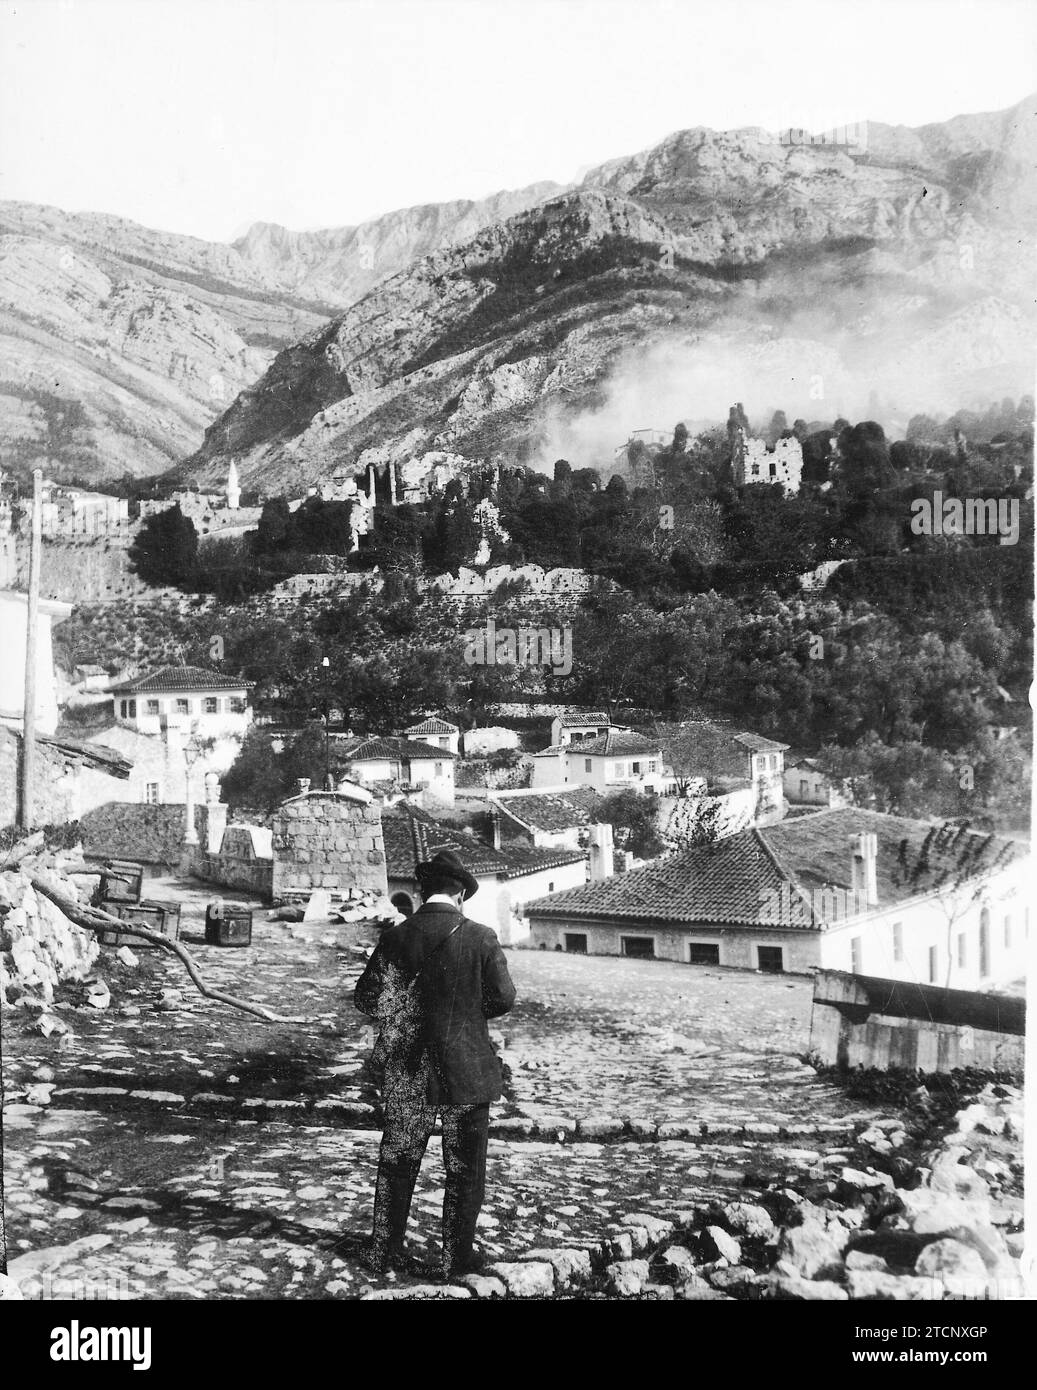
[
  {"x": 601, "y": 853},
  {"x": 495, "y": 823},
  {"x": 864, "y": 869},
  {"x": 302, "y": 786}
]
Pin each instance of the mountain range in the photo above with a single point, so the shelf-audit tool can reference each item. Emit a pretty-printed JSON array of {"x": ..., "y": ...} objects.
[{"x": 887, "y": 270}]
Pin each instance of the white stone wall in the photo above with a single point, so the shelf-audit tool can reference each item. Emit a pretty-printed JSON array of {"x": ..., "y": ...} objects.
[{"x": 39, "y": 946}]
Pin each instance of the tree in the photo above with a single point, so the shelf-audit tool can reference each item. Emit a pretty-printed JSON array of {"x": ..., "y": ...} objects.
[
  {"x": 274, "y": 524},
  {"x": 638, "y": 817},
  {"x": 165, "y": 550}
]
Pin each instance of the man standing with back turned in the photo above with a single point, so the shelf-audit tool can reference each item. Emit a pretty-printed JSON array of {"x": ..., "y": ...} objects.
[{"x": 432, "y": 983}]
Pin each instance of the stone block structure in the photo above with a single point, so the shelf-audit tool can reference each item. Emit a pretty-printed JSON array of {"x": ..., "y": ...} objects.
[{"x": 329, "y": 840}]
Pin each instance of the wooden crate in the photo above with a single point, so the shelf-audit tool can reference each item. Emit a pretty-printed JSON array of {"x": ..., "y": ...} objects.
[{"x": 161, "y": 917}]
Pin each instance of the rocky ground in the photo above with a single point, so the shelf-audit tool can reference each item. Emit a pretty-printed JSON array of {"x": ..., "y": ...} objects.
[{"x": 159, "y": 1145}]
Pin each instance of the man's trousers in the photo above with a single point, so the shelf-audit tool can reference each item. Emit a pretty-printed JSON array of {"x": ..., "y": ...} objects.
[{"x": 409, "y": 1120}]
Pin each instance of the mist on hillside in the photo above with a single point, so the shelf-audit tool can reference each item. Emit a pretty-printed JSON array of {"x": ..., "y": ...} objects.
[{"x": 816, "y": 375}]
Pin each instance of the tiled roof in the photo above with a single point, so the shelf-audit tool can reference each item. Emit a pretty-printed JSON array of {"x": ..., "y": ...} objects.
[
  {"x": 412, "y": 836},
  {"x": 756, "y": 878},
  {"x": 578, "y": 719},
  {"x": 432, "y": 726},
  {"x": 552, "y": 751},
  {"x": 180, "y": 678},
  {"x": 731, "y": 882},
  {"x": 552, "y": 811},
  {"x": 395, "y": 749},
  {"x": 815, "y": 851},
  {"x": 523, "y": 861},
  {"x": 615, "y": 743}
]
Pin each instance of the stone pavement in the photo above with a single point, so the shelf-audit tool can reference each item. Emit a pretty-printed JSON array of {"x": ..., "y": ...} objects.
[{"x": 170, "y": 1147}]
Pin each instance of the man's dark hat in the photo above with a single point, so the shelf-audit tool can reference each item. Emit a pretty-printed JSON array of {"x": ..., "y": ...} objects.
[{"x": 445, "y": 864}]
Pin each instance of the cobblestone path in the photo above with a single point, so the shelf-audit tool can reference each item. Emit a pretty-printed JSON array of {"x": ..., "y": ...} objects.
[{"x": 189, "y": 1152}]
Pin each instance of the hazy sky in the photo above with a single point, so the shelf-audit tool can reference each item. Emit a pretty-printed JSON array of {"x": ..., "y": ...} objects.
[{"x": 203, "y": 116}]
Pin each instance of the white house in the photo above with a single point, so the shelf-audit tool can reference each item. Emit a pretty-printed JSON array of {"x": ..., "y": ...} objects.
[
  {"x": 576, "y": 726},
  {"x": 13, "y": 643},
  {"x": 843, "y": 889},
  {"x": 508, "y": 878},
  {"x": 437, "y": 733},
  {"x": 406, "y": 761},
  {"x": 806, "y": 783},
  {"x": 210, "y": 704},
  {"x": 608, "y": 762},
  {"x": 546, "y": 820}
]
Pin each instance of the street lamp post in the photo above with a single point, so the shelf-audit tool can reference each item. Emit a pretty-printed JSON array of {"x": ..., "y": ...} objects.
[{"x": 326, "y": 666}]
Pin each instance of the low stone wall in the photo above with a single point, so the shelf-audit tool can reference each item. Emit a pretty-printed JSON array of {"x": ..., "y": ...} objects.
[
  {"x": 247, "y": 875},
  {"x": 866, "y": 1021}
]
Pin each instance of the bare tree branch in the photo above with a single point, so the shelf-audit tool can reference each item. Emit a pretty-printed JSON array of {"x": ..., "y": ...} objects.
[{"x": 92, "y": 919}]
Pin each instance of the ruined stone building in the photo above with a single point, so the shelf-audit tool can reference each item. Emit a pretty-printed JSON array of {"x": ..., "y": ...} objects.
[{"x": 753, "y": 462}]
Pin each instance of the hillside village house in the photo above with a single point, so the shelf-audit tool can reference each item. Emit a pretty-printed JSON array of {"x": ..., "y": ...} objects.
[
  {"x": 211, "y": 704},
  {"x": 577, "y": 726},
  {"x": 608, "y": 762},
  {"x": 740, "y": 771},
  {"x": 13, "y": 639},
  {"x": 409, "y": 762},
  {"x": 842, "y": 889},
  {"x": 508, "y": 878},
  {"x": 547, "y": 820},
  {"x": 177, "y": 726},
  {"x": 436, "y": 732},
  {"x": 806, "y": 783}
]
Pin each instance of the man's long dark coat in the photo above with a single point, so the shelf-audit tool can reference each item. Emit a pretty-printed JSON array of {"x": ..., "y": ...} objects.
[{"x": 463, "y": 983}]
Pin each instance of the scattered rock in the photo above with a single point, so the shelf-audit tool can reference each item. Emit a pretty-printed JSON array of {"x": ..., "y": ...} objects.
[
  {"x": 951, "y": 1259},
  {"x": 868, "y": 1284},
  {"x": 745, "y": 1219},
  {"x": 485, "y": 1287},
  {"x": 716, "y": 1243},
  {"x": 627, "y": 1278},
  {"x": 525, "y": 1278},
  {"x": 677, "y": 1260},
  {"x": 126, "y": 956}
]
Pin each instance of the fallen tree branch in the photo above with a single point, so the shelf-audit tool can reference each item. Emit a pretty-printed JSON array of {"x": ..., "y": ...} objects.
[{"x": 93, "y": 919}]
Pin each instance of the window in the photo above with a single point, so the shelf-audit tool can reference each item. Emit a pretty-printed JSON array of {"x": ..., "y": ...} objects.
[
  {"x": 804, "y": 787},
  {"x": 770, "y": 958},
  {"x": 151, "y": 793},
  {"x": 703, "y": 953},
  {"x": 963, "y": 952},
  {"x": 640, "y": 947},
  {"x": 934, "y": 964},
  {"x": 551, "y": 886},
  {"x": 855, "y": 955},
  {"x": 1008, "y": 931},
  {"x": 438, "y": 769},
  {"x": 210, "y": 705},
  {"x": 122, "y": 709},
  {"x": 128, "y": 709},
  {"x": 576, "y": 943},
  {"x": 236, "y": 704},
  {"x": 635, "y": 768},
  {"x": 588, "y": 765},
  {"x": 651, "y": 765},
  {"x": 898, "y": 941},
  {"x": 183, "y": 706},
  {"x": 984, "y": 943},
  {"x": 152, "y": 707}
]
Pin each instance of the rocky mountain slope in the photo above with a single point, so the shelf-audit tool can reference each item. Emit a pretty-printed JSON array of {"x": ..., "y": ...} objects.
[
  {"x": 896, "y": 264},
  {"x": 120, "y": 344}
]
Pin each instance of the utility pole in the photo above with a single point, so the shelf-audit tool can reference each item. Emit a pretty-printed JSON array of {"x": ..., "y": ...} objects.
[
  {"x": 28, "y": 787},
  {"x": 326, "y": 666}
]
